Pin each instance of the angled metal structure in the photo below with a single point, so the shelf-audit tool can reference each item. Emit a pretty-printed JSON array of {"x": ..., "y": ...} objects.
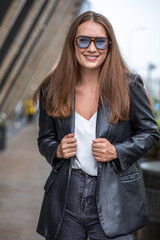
[{"x": 35, "y": 48}]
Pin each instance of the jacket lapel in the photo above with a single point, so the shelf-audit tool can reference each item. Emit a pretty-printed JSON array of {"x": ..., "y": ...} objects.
[
  {"x": 102, "y": 125},
  {"x": 68, "y": 124}
]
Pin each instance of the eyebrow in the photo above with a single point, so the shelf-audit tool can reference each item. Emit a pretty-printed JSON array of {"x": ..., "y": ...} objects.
[{"x": 91, "y": 36}]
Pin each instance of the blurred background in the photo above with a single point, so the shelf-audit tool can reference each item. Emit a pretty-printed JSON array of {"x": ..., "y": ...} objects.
[{"x": 32, "y": 34}]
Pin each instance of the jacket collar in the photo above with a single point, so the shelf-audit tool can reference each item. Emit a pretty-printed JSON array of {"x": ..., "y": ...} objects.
[{"x": 102, "y": 125}]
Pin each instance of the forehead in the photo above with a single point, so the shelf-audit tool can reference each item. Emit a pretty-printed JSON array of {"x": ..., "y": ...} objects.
[{"x": 92, "y": 29}]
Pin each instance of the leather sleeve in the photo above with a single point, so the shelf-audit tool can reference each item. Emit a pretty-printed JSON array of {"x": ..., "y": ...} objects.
[
  {"x": 47, "y": 139},
  {"x": 145, "y": 131}
]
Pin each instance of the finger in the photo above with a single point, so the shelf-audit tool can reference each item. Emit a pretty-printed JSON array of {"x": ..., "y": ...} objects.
[
  {"x": 96, "y": 154},
  {"x": 71, "y": 154},
  {"x": 102, "y": 157},
  {"x": 102, "y": 147},
  {"x": 73, "y": 145},
  {"x": 98, "y": 151},
  {"x": 70, "y": 140},
  {"x": 69, "y": 146},
  {"x": 70, "y": 135},
  {"x": 70, "y": 150},
  {"x": 100, "y": 140},
  {"x": 66, "y": 147},
  {"x": 98, "y": 159},
  {"x": 96, "y": 140},
  {"x": 97, "y": 145}
]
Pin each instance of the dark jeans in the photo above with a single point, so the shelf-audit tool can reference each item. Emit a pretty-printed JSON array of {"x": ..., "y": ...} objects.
[{"x": 81, "y": 219}]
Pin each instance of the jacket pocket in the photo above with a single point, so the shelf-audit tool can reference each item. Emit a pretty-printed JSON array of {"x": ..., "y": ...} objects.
[
  {"x": 130, "y": 177},
  {"x": 50, "y": 180}
]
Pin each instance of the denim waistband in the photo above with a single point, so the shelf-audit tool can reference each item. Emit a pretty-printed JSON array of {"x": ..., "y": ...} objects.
[{"x": 82, "y": 173}]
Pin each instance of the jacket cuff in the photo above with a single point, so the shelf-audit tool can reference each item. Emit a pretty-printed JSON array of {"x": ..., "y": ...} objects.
[{"x": 120, "y": 164}]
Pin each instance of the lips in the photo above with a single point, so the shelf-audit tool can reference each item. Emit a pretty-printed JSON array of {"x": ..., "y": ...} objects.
[{"x": 91, "y": 57}]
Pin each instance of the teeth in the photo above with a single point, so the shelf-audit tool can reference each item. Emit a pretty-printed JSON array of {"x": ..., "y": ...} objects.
[{"x": 91, "y": 57}]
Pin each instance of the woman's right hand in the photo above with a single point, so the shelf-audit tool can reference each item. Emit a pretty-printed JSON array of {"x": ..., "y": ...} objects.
[{"x": 67, "y": 147}]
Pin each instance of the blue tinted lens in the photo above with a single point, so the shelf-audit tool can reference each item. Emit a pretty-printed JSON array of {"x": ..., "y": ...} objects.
[
  {"x": 101, "y": 43},
  {"x": 83, "y": 42}
]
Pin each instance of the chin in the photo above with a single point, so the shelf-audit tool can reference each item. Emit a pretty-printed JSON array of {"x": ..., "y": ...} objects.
[{"x": 91, "y": 67}]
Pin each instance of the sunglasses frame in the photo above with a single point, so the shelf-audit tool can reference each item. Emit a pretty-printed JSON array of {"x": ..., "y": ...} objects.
[{"x": 92, "y": 39}]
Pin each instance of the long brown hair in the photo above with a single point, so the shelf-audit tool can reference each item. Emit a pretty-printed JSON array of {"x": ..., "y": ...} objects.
[{"x": 113, "y": 85}]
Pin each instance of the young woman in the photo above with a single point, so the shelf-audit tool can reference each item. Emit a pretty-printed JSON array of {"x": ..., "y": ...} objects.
[{"x": 95, "y": 124}]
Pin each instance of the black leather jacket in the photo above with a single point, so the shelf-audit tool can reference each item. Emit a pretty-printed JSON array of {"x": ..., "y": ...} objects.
[{"x": 121, "y": 199}]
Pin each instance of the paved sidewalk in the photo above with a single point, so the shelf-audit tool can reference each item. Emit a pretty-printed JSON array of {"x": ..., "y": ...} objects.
[{"x": 23, "y": 172}]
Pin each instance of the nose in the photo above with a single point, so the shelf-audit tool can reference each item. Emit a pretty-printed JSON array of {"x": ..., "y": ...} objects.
[{"x": 92, "y": 47}]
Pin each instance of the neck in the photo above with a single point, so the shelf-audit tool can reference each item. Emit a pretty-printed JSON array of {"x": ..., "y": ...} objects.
[{"x": 89, "y": 77}]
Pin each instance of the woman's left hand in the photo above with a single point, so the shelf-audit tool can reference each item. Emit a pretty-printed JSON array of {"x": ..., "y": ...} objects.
[{"x": 103, "y": 150}]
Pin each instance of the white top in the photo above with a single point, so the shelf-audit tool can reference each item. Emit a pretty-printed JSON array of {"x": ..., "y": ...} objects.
[{"x": 85, "y": 132}]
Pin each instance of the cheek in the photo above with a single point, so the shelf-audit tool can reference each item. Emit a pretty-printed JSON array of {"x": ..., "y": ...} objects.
[
  {"x": 104, "y": 56},
  {"x": 78, "y": 55}
]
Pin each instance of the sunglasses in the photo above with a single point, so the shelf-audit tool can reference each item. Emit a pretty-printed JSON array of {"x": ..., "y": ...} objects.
[{"x": 101, "y": 43}]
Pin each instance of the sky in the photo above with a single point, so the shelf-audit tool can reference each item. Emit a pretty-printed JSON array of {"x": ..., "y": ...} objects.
[{"x": 136, "y": 24}]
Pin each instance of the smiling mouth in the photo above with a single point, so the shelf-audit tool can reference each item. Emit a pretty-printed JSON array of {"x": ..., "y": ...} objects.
[{"x": 91, "y": 58}]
